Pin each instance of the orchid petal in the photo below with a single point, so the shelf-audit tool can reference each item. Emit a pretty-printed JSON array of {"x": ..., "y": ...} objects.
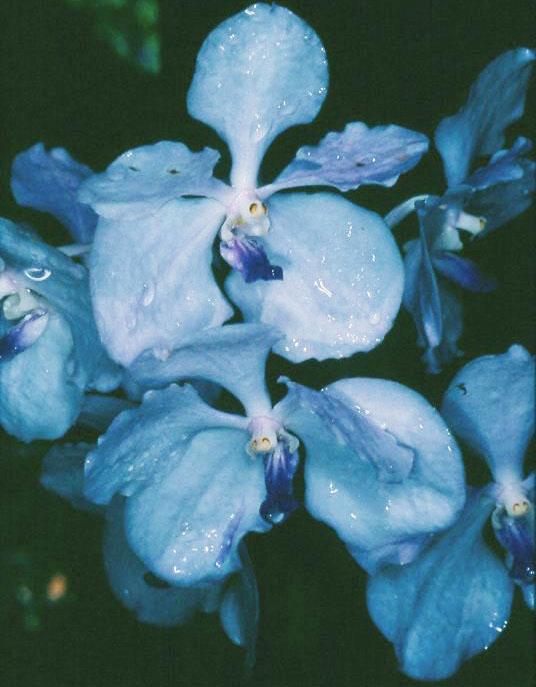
[
  {"x": 386, "y": 494},
  {"x": 144, "y": 179},
  {"x": 247, "y": 256},
  {"x": 258, "y": 73},
  {"x": 233, "y": 356},
  {"x": 463, "y": 272},
  {"x": 49, "y": 181},
  {"x": 490, "y": 405},
  {"x": 98, "y": 411},
  {"x": 151, "y": 280},
  {"x": 335, "y": 298},
  {"x": 504, "y": 166},
  {"x": 451, "y": 603},
  {"x": 356, "y": 156},
  {"x": 452, "y": 329},
  {"x": 63, "y": 473},
  {"x": 496, "y": 100}
]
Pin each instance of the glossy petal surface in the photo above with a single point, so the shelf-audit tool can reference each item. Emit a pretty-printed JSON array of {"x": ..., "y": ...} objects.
[
  {"x": 496, "y": 100},
  {"x": 346, "y": 485},
  {"x": 358, "y": 155},
  {"x": 490, "y": 405},
  {"x": 141, "y": 180},
  {"x": 342, "y": 280},
  {"x": 49, "y": 181},
  {"x": 451, "y": 603},
  {"x": 258, "y": 73},
  {"x": 233, "y": 356},
  {"x": 151, "y": 281}
]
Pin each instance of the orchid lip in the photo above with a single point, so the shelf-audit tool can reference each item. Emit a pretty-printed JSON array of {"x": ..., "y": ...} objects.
[{"x": 24, "y": 334}]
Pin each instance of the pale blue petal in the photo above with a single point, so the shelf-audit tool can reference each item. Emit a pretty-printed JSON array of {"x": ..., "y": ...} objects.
[
  {"x": 49, "y": 181},
  {"x": 257, "y": 74},
  {"x": 40, "y": 398},
  {"x": 233, "y": 356},
  {"x": 132, "y": 584},
  {"x": 356, "y": 156},
  {"x": 141, "y": 180},
  {"x": 63, "y": 473},
  {"x": 346, "y": 485},
  {"x": 451, "y": 603},
  {"x": 137, "y": 447},
  {"x": 99, "y": 411},
  {"x": 151, "y": 281},
  {"x": 490, "y": 405},
  {"x": 452, "y": 316},
  {"x": 342, "y": 278},
  {"x": 528, "y": 595},
  {"x": 504, "y": 166},
  {"x": 187, "y": 526},
  {"x": 463, "y": 272},
  {"x": 496, "y": 100}
]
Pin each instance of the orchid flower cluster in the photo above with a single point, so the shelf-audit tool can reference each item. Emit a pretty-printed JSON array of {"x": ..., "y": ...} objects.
[{"x": 136, "y": 306}]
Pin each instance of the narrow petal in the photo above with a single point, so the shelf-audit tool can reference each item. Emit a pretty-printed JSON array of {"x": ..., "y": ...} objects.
[
  {"x": 463, "y": 272},
  {"x": 63, "y": 473},
  {"x": 381, "y": 467},
  {"x": 356, "y": 156},
  {"x": 490, "y": 405},
  {"x": 151, "y": 281},
  {"x": 135, "y": 587},
  {"x": 342, "y": 278},
  {"x": 144, "y": 179},
  {"x": 187, "y": 527},
  {"x": 496, "y": 100},
  {"x": 451, "y": 603},
  {"x": 504, "y": 166},
  {"x": 248, "y": 257},
  {"x": 49, "y": 181},
  {"x": 258, "y": 73},
  {"x": 233, "y": 356}
]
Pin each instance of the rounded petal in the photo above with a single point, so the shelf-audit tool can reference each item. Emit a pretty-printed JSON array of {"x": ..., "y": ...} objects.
[
  {"x": 490, "y": 405},
  {"x": 342, "y": 278},
  {"x": 382, "y": 487},
  {"x": 451, "y": 603},
  {"x": 258, "y": 73},
  {"x": 151, "y": 281},
  {"x": 187, "y": 527}
]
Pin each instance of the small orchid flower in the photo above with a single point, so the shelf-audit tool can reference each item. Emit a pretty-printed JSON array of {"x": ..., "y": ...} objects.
[
  {"x": 50, "y": 352},
  {"x": 325, "y": 272},
  {"x": 151, "y": 599},
  {"x": 476, "y": 202},
  {"x": 455, "y": 599},
  {"x": 380, "y": 466}
]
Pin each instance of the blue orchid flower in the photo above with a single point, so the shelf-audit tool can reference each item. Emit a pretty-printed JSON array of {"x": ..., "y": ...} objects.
[
  {"x": 327, "y": 274},
  {"x": 381, "y": 468},
  {"x": 476, "y": 202},
  {"x": 455, "y": 599},
  {"x": 50, "y": 351},
  {"x": 151, "y": 599}
]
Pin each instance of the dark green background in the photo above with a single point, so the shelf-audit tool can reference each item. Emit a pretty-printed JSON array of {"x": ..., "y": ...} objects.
[{"x": 405, "y": 62}]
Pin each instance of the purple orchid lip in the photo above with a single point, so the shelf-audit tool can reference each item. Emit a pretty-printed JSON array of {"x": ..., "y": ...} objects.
[
  {"x": 516, "y": 536},
  {"x": 22, "y": 335},
  {"x": 248, "y": 257},
  {"x": 280, "y": 466}
]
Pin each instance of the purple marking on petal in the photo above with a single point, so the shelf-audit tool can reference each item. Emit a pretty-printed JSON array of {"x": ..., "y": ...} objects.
[
  {"x": 280, "y": 466},
  {"x": 228, "y": 535},
  {"x": 22, "y": 335},
  {"x": 247, "y": 257},
  {"x": 463, "y": 272},
  {"x": 516, "y": 535}
]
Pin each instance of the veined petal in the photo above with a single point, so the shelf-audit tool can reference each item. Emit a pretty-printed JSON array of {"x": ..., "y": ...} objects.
[
  {"x": 342, "y": 280},
  {"x": 378, "y": 491},
  {"x": 247, "y": 256},
  {"x": 490, "y": 405},
  {"x": 187, "y": 527},
  {"x": 463, "y": 272},
  {"x": 258, "y": 73},
  {"x": 143, "y": 179},
  {"x": 137, "y": 447},
  {"x": 233, "y": 356},
  {"x": 451, "y": 603},
  {"x": 63, "y": 473},
  {"x": 49, "y": 181},
  {"x": 133, "y": 584},
  {"x": 151, "y": 281},
  {"x": 358, "y": 155},
  {"x": 496, "y": 100}
]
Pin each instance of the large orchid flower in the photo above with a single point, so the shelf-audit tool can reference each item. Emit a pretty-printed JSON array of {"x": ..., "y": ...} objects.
[
  {"x": 381, "y": 468},
  {"x": 476, "y": 202},
  {"x": 455, "y": 599},
  {"x": 328, "y": 273},
  {"x": 50, "y": 351}
]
